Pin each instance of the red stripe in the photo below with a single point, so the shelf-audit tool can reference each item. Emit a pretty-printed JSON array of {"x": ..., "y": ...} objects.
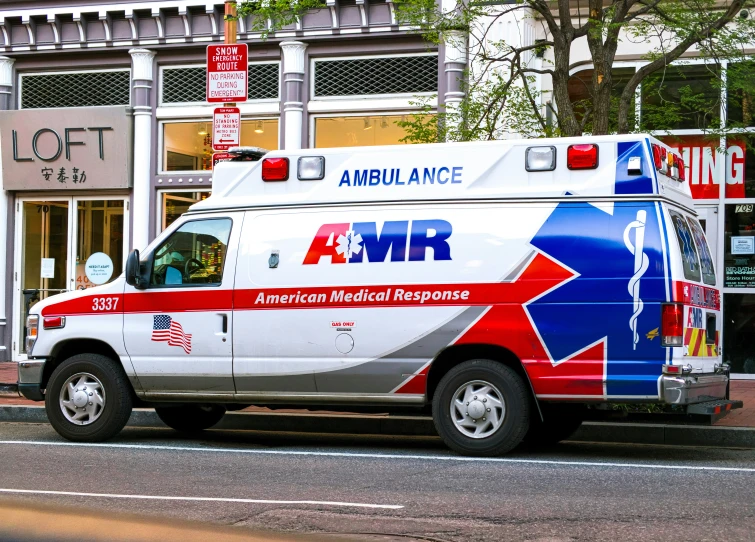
[
  {"x": 697, "y": 296},
  {"x": 698, "y": 343}
]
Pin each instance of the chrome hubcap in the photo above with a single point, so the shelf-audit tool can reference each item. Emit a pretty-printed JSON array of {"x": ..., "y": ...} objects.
[
  {"x": 478, "y": 409},
  {"x": 82, "y": 399}
]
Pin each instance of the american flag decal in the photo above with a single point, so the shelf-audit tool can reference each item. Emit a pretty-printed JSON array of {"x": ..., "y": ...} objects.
[{"x": 165, "y": 329}]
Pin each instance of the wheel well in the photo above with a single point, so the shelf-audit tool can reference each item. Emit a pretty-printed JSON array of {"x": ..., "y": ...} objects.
[
  {"x": 69, "y": 348},
  {"x": 454, "y": 355}
]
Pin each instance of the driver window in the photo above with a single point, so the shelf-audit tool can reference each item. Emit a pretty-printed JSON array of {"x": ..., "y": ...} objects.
[{"x": 193, "y": 254}]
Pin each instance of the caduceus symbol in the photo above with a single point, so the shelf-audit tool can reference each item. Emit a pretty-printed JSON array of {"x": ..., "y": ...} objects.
[{"x": 641, "y": 264}]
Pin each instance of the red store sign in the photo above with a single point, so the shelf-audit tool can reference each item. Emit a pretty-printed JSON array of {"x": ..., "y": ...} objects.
[{"x": 708, "y": 166}]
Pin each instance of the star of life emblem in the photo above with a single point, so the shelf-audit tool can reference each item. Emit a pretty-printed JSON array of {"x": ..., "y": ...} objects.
[{"x": 349, "y": 244}]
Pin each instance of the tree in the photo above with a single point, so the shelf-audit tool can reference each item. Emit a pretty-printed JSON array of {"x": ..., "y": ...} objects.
[
  {"x": 500, "y": 84},
  {"x": 501, "y": 94}
]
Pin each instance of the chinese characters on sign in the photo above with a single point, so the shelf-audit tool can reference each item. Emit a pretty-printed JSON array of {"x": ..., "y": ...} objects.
[{"x": 77, "y": 176}]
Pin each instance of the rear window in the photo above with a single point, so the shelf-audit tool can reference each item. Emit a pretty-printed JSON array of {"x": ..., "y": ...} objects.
[
  {"x": 706, "y": 260},
  {"x": 690, "y": 263}
]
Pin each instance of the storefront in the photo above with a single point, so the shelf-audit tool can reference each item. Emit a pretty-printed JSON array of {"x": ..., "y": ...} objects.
[{"x": 69, "y": 174}]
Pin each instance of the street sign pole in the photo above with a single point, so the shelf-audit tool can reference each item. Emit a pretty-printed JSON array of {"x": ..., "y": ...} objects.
[{"x": 229, "y": 108}]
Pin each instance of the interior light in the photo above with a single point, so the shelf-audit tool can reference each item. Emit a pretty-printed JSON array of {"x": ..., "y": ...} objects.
[
  {"x": 582, "y": 156},
  {"x": 540, "y": 159},
  {"x": 311, "y": 168},
  {"x": 367, "y": 123},
  {"x": 259, "y": 128}
]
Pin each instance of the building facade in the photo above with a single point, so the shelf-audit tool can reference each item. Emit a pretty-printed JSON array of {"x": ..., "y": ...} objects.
[{"x": 106, "y": 135}]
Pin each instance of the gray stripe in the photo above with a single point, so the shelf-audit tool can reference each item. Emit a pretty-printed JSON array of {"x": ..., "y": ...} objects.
[{"x": 388, "y": 372}]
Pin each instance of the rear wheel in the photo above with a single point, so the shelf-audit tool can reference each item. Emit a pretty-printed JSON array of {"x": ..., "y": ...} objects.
[
  {"x": 190, "y": 418},
  {"x": 88, "y": 398},
  {"x": 559, "y": 423},
  {"x": 481, "y": 408}
]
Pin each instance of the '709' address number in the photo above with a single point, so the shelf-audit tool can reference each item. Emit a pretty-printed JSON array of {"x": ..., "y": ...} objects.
[{"x": 104, "y": 303}]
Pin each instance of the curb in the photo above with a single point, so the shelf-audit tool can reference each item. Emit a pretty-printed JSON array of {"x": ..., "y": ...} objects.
[{"x": 629, "y": 433}]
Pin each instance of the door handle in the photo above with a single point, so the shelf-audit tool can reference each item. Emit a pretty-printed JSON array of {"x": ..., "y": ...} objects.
[{"x": 225, "y": 322}]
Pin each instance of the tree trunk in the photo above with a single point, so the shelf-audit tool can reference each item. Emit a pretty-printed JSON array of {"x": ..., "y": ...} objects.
[{"x": 568, "y": 123}]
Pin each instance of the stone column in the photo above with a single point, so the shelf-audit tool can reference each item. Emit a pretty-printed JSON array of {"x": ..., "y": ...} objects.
[
  {"x": 6, "y": 99},
  {"x": 142, "y": 62},
  {"x": 455, "y": 62},
  {"x": 293, "y": 92}
]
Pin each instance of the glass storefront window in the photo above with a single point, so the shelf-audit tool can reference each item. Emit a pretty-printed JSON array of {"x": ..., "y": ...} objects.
[
  {"x": 100, "y": 230},
  {"x": 358, "y": 131},
  {"x": 187, "y": 146},
  {"x": 739, "y": 246},
  {"x": 174, "y": 204},
  {"x": 739, "y": 332},
  {"x": 580, "y": 86},
  {"x": 681, "y": 97}
]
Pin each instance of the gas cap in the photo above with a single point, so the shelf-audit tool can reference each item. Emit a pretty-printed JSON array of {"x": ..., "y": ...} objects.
[{"x": 344, "y": 343}]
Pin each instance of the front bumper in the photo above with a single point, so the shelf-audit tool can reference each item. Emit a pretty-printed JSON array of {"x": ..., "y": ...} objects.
[
  {"x": 690, "y": 389},
  {"x": 30, "y": 374}
]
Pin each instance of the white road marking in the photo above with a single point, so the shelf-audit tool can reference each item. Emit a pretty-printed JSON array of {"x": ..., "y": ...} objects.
[
  {"x": 203, "y": 499},
  {"x": 378, "y": 456}
]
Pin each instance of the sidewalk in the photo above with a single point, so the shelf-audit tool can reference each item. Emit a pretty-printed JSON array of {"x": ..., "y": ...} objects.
[{"x": 743, "y": 390}]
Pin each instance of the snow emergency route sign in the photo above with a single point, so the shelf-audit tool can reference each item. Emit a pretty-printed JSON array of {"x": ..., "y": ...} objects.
[
  {"x": 226, "y": 124},
  {"x": 227, "y": 72}
]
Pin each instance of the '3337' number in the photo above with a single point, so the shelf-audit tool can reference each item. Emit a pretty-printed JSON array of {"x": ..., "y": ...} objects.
[{"x": 104, "y": 303}]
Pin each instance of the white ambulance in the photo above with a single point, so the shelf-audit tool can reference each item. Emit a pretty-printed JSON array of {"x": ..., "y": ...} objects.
[{"x": 501, "y": 285}]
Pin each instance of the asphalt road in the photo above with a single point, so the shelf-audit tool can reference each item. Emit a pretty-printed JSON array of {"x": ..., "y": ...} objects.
[{"x": 412, "y": 488}]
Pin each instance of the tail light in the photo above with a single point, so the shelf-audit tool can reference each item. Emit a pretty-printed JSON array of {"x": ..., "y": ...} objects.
[
  {"x": 672, "y": 324},
  {"x": 275, "y": 169},
  {"x": 582, "y": 156}
]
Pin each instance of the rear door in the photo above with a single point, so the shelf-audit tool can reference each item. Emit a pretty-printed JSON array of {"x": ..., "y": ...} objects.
[{"x": 695, "y": 287}]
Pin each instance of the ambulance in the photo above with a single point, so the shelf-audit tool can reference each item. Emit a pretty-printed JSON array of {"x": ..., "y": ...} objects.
[{"x": 502, "y": 286}]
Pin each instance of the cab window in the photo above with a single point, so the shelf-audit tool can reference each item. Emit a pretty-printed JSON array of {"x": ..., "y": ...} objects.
[
  {"x": 192, "y": 255},
  {"x": 706, "y": 260},
  {"x": 690, "y": 262}
]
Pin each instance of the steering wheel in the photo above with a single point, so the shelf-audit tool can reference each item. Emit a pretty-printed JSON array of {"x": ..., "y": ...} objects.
[{"x": 198, "y": 266}]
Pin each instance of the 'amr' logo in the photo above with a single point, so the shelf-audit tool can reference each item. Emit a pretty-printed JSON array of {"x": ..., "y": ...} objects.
[{"x": 360, "y": 242}]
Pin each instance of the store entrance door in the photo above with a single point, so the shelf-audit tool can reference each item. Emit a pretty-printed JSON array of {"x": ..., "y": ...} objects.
[{"x": 54, "y": 239}]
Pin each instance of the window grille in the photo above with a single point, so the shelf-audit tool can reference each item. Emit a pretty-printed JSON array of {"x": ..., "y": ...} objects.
[
  {"x": 82, "y": 89},
  {"x": 386, "y": 75},
  {"x": 188, "y": 85}
]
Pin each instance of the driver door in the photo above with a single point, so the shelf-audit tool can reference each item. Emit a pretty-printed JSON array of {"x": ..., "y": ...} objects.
[{"x": 177, "y": 331}]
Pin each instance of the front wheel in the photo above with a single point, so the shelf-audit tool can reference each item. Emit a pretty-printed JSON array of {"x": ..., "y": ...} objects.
[
  {"x": 190, "y": 418},
  {"x": 481, "y": 408},
  {"x": 88, "y": 398}
]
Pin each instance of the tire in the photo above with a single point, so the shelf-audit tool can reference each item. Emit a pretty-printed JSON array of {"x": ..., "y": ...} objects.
[
  {"x": 103, "y": 390},
  {"x": 190, "y": 418},
  {"x": 561, "y": 422},
  {"x": 496, "y": 436}
]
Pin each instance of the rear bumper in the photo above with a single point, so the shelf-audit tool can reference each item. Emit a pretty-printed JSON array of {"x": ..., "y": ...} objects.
[{"x": 690, "y": 389}]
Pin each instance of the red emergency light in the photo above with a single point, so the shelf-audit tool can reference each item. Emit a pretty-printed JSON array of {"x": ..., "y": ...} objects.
[
  {"x": 582, "y": 156},
  {"x": 275, "y": 169},
  {"x": 53, "y": 322}
]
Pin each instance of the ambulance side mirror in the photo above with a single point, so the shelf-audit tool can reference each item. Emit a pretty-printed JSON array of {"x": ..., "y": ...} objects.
[{"x": 133, "y": 271}]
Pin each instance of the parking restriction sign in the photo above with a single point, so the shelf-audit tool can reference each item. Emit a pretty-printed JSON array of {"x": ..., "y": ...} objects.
[
  {"x": 226, "y": 124},
  {"x": 227, "y": 72}
]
